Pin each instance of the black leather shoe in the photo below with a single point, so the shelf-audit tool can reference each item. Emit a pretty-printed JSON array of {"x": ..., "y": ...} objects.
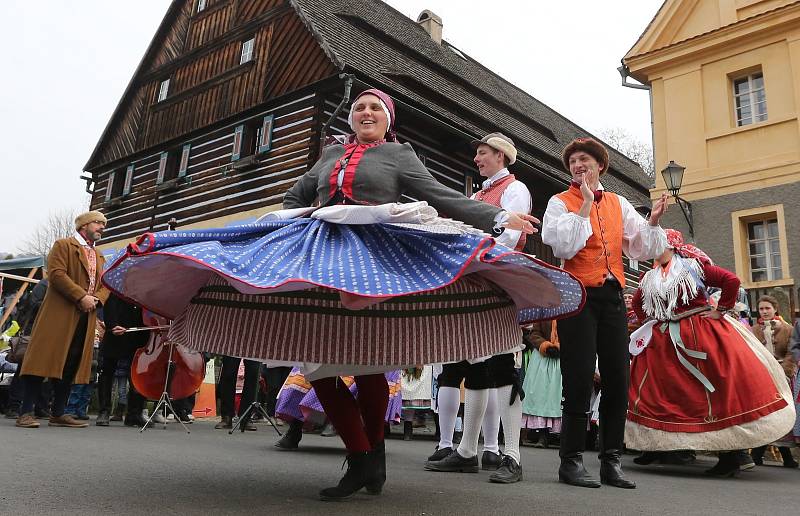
[
  {"x": 454, "y": 463},
  {"x": 611, "y": 470},
  {"x": 508, "y": 472},
  {"x": 647, "y": 457},
  {"x": 362, "y": 470},
  {"x": 135, "y": 420},
  {"x": 490, "y": 461},
  {"x": 291, "y": 439},
  {"x": 440, "y": 454},
  {"x": 573, "y": 472},
  {"x": 102, "y": 418},
  {"x": 726, "y": 466}
]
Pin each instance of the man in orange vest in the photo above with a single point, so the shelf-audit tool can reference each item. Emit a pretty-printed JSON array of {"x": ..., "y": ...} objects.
[
  {"x": 590, "y": 229},
  {"x": 492, "y": 386}
]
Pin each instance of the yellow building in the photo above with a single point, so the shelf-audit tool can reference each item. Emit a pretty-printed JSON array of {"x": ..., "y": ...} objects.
[{"x": 724, "y": 80}]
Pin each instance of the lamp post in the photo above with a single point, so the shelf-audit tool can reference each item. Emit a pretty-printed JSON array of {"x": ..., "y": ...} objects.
[{"x": 673, "y": 177}]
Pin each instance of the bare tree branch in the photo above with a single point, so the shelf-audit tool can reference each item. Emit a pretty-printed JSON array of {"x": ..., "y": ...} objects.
[
  {"x": 59, "y": 224},
  {"x": 629, "y": 145}
]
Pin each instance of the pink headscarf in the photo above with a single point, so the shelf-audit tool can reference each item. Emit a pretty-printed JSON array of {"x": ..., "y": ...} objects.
[
  {"x": 675, "y": 241},
  {"x": 388, "y": 107}
]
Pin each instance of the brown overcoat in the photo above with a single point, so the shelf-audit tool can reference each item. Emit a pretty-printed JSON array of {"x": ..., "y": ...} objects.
[
  {"x": 782, "y": 331},
  {"x": 57, "y": 320}
]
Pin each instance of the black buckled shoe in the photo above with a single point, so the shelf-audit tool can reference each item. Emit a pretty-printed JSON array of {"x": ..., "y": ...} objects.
[
  {"x": 454, "y": 463},
  {"x": 440, "y": 454},
  {"x": 361, "y": 471},
  {"x": 490, "y": 461},
  {"x": 611, "y": 470},
  {"x": 508, "y": 472}
]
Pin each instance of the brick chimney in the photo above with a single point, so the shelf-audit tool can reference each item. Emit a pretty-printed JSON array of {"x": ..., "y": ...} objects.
[{"x": 432, "y": 25}]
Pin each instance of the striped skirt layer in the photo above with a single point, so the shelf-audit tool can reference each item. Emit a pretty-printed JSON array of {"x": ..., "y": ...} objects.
[{"x": 468, "y": 318}]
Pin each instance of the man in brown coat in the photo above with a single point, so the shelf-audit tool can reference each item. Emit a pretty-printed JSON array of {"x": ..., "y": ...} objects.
[{"x": 61, "y": 345}]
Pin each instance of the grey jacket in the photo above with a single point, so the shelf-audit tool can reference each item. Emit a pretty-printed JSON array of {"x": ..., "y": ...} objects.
[{"x": 384, "y": 173}]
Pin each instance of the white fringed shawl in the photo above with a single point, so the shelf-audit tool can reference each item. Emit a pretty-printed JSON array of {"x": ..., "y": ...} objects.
[{"x": 662, "y": 294}]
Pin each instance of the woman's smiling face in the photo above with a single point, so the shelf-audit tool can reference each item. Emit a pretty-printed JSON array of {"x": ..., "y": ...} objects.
[{"x": 369, "y": 119}]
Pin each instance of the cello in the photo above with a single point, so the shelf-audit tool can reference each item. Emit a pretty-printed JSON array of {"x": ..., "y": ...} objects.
[{"x": 164, "y": 367}]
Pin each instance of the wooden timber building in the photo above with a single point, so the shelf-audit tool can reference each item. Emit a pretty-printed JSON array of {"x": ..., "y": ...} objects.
[{"x": 232, "y": 100}]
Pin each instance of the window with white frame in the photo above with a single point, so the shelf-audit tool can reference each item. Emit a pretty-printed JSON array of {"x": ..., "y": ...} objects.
[
  {"x": 750, "y": 99},
  {"x": 247, "y": 50},
  {"x": 201, "y": 5},
  {"x": 764, "y": 246},
  {"x": 163, "y": 90}
]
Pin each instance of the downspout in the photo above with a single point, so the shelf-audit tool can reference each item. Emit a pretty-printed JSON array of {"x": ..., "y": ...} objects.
[
  {"x": 624, "y": 71},
  {"x": 348, "y": 84}
]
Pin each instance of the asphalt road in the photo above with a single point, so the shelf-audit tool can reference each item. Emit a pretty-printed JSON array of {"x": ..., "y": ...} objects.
[{"x": 117, "y": 470}]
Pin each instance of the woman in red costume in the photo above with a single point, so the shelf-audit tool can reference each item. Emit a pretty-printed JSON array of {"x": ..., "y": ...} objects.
[{"x": 699, "y": 379}]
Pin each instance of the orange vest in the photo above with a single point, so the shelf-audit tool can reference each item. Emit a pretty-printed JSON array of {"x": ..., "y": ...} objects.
[{"x": 603, "y": 251}]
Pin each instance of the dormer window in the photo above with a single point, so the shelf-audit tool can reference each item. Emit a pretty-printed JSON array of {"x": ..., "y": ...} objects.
[
  {"x": 201, "y": 5},
  {"x": 163, "y": 90},
  {"x": 247, "y": 50}
]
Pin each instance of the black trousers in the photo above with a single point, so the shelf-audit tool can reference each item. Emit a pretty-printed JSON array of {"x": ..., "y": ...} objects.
[
  {"x": 227, "y": 384},
  {"x": 599, "y": 330},
  {"x": 497, "y": 371},
  {"x": 105, "y": 382},
  {"x": 274, "y": 378},
  {"x": 62, "y": 387}
]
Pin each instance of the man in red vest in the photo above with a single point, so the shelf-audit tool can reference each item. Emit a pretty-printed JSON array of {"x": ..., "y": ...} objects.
[
  {"x": 493, "y": 388},
  {"x": 590, "y": 229}
]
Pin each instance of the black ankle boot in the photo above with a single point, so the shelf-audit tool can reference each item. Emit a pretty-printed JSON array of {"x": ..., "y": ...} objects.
[
  {"x": 726, "y": 466},
  {"x": 378, "y": 455},
  {"x": 362, "y": 470},
  {"x": 611, "y": 470},
  {"x": 573, "y": 440},
  {"x": 647, "y": 457},
  {"x": 786, "y": 455},
  {"x": 408, "y": 430},
  {"x": 291, "y": 439}
]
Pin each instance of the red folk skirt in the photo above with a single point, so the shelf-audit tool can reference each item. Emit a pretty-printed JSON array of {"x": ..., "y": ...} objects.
[{"x": 664, "y": 395}]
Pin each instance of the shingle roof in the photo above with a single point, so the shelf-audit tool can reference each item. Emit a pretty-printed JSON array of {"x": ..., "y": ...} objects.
[{"x": 376, "y": 41}]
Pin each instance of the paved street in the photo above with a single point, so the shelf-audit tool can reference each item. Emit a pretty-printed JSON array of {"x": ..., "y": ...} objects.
[{"x": 117, "y": 470}]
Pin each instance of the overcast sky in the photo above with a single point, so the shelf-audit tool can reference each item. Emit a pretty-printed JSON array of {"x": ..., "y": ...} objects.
[{"x": 66, "y": 64}]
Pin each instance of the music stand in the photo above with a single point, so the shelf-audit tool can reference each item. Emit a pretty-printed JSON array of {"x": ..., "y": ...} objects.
[
  {"x": 254, "y": 406},
  {"x": 165, "y": 400}
]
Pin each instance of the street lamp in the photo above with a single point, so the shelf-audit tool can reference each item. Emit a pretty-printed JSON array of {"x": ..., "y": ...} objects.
[{"x": 673, "y": 178}]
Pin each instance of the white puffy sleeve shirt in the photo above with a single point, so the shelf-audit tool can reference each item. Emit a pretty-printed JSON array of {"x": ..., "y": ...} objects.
[
  {"x": 567, "y": 233},
  {"x": 515, "y": 198}
]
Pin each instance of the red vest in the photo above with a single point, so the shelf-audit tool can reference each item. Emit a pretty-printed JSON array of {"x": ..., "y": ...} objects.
[
  {"x": 603, "y": 251},
  {"x": 493, "y": 194}
]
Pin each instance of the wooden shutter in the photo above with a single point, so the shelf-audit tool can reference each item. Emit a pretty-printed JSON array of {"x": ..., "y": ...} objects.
[
  {"x": 162, "y": 167},
  {"x": 126, "y": 189},
  {"x": 238, "y": 133},
  {"x": 110, "y": 185},
  {"x": 266, "y": 134},
  {"x": 184, "y": 165}
]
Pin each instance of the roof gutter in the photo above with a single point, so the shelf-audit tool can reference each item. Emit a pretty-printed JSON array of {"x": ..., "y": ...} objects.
[{"x": 625, "y": 72}]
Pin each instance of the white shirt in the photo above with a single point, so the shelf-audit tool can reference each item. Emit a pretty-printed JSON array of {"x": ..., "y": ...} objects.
[
  {"x": 515, "y": 198},
  {"x": 567, "y": 232},
  {"x": 77, "y": 236}
]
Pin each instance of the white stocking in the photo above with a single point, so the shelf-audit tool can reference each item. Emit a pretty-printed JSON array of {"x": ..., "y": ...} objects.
[
  {"x": 448, "y": 401},
  {"x": 474, "y": 409},
  {"x": 511, "y": 415},
  {"x": 491, "y": 424}
]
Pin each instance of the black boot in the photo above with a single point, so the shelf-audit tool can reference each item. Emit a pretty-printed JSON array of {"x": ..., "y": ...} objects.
[
  {"x": 102, "y": 418},
  {"x": 758, "y": 455},
  {"x": 611, "y": 470},
  {"x": 362, "y": 470},
  {"x": 573, "y": 439},
  {"x": 647, "y": 457},
  {"x": 378, "y": 454},
  {"x": 408, "y": 430},
  {"x": 786, "y": 455},
  {"x": 726, "y": 466},
  {"x": 291, "y": 439}
]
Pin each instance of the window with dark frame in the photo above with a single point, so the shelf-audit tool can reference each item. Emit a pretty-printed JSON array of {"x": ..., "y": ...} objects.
[
  {"x": 168, "y": 166},
  {"x": 252, "y": 137},
  {"x": 750, "y": 99},
  {"x": 764, "y": 250}
]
